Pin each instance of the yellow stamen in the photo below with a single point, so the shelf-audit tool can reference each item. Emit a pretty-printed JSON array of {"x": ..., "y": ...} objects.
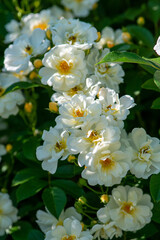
[
  {"x": 71, "y": 237},
  {"x": 64, "y": 67},
  {"x": 78, "y": 113},
  {"x": 42, "y": 25},
  {"x": 110, "y": 43},
  {"x": 107, "y": 164},
  {"x": 127, "y": 207},
  {"x": 60, "y": 146},
  {"x": 28, "y": 50}
]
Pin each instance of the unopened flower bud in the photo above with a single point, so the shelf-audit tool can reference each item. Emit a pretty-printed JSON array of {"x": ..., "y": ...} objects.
[
  {"x": 9, "y": 147},
  {"x": 95, "y": 6},
  {"x": 82, "y": 200},
  {"x": 71, "y": 158},
  {"x": 140, "y": 21},
  {"x": 49, "y": 34},
  {"x": 126, "y": 36},
  {"x": 99, "y": 36},
  {"x": 53, "y": 107},
  {"x": 38, "y": 63},
  {"x": 83, "y": 226},
  {"x": 104, "y": 198},
  {"x": 78, "y": 207},
  {"x": 33, "y": 75},
  {"x": 28, "y": 107},
  {"x": 93, "y": 222}
]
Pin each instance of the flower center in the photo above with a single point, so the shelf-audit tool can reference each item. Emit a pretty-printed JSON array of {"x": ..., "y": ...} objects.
[
  {"x": 74, "y": 90},
  {"x": 79, "y": 1},
  {"x": 110, "y": 43},
  {"x": 103, "y": 68},
  {"x": 28, "y": 50},
  {"x": 78, "y": 113},
  {"x": 72, "y": 39},
  {"x": 59, "y": 146},
  {"x": 42, "y": 25},
  {"x": 144, "y": 153},
  {"x": 64, "y": 67},
  {"x": 93, "y": 136},
  {"x": 2, "y": 90},
  {"x": 127, "y": 207},
  {"x": 107, "y": 163},
  {"x": 60, "y": 223},
  {"x": 71, "y": 237}
]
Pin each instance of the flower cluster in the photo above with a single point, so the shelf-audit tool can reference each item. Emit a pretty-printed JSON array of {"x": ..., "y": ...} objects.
[{"x": 64, "y": 54}]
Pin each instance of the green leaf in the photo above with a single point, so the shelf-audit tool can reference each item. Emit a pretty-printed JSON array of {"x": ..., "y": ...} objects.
[
  {"x": 150, "y": 85},
  {"x": 154, "y": 10},
  {"x": 156, "y": 213},
  {"x": 157, "y": 78},
  {"x": 156, "y": 104},
  {"x": 128, "y": 57},
  {"x": 55, "y": 200},
  {"x": 27, "y": 174},
  {"x": 71, "y": 188},
  {"x": 67, "y": 171},
  {"x": 142, "y": 34},
  {"x": 22, "y": 233},
  {"x": 30, "y": 188},
  {"x": 155, "y": 187},
  {"x": 20, "y": 85},
  {"x": 29, "y": 148},
  {"x": 35, "y": 235}
]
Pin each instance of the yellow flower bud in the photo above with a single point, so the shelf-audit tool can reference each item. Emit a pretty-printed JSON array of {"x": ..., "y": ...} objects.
[
  {"x": 71, "y": 158},
  {"x": 53, "y": 107},
  {"x": 38, "y": 63},
  {"x": 104, "y": 198},
  {"x": 28, "y": 107},
  {"x": 126, "y": 36},
  {"x": 140, "y": 21},
  {"x": 99, "y": 36},
  {"x": 82, "y": 200},
  {"x": 83, "y": 226},
  {"x": 33, "y": 75},
  {"x": 95, "y": 6},
  {"x": 49, "y": 34},
  {"x": 9, "y": 147}
]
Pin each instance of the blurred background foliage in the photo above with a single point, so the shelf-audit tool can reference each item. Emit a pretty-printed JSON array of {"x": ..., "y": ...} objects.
[{"x": 138, "y": 83}]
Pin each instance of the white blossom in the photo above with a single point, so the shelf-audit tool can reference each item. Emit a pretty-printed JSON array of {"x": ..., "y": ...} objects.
[
  {"x": 65, "y": 67},
  {"x": 74, "y": 32},
  {"x": 8, "y": 213},
  {"x": 53, "y": 148},
  {"x": 106, "y": 165},
  {"x": 9, "y": 102},
  {"x": 157, "y": 46},
  {"x": 18, "y": 54},
  {"x": 109, "y": 74},
  {"x": 78, "y": 111},
  {"x": 13, "y": 29},
  {"x": 107, "y": 228},
  {"x": 96, "y": 132},
  {"x": 89, "y": 88},
  {"x": 114, "y": 108},
  {"x": 110, "y": 38},
  {"x": 129, "y": 208},
  {"x": 71, "y": 229},
  {"x": 80, "y": 8},
  {"x": 47, "y": 221},
  {"x": 145, "y": 153}
]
